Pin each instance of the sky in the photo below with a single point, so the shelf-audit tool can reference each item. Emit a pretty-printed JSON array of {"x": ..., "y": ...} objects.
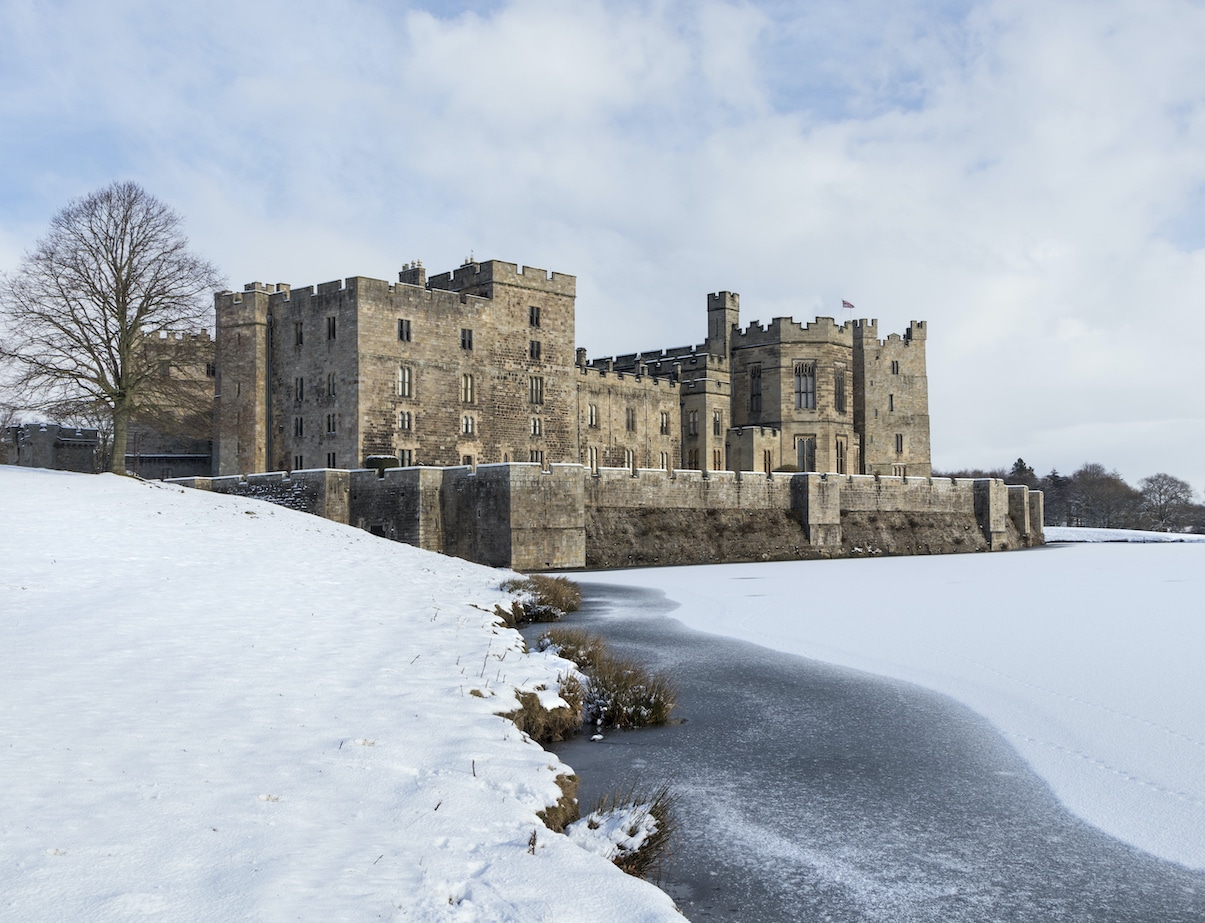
[{"x": 1024, "y": 176}]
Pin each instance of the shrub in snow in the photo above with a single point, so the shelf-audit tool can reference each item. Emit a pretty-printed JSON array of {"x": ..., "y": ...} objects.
[
  {"x": 625, "y": 694},
  {"x": 581, "y": 647},
  {"x": 632, "y": 831},
  {"x": 540, "y": 599},
  {"x": 546, "y": 724}
]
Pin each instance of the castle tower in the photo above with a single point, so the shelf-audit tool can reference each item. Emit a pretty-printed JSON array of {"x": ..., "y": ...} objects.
[
  {"x": 723, "y": 316},
  {"x": 242, "y": 411},
  {"x": 891, "y": 400}
]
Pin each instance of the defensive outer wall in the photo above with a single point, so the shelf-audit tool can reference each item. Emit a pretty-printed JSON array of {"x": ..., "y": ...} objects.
[{"x": 568, "y": 516}]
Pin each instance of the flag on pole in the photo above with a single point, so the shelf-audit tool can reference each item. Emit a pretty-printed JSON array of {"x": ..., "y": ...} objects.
[{"x": 846, "y": 304}]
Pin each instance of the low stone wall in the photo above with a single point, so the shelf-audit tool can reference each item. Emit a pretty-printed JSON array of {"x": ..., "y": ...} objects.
[{"x": 517, "y": 515}]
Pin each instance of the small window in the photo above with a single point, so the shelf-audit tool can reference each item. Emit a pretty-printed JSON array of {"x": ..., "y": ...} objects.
[
  {"x": 466, "y": 389},
  {"x": 403, "y": 330},
  {"x": 629, "y": 458},
  {"x": 664, "y": 423},
  {"x": 592, "y": 416},
  {"x": 630, "y": 419},
  {"x": 534, "y": 350},
  {"x": 331, "y": 460},
  {"x": 298, "y": 333},
  {"x": 899, "y": 443},
  {"x": 840, "y": 456},
  {"x": 298, "y": 427},
  {"x": 298, "y": 462},
  {"x": 665, "y": 460},
  {"x": 717, "y": 423},
  {"x": 467, "y": 461},
  {"x": 533, "y": 316},
  {"x": 535, "y": 386},
  {"x": 755, "y": 389},
  {"x": 211, "y": 370},
  {"x": 692, "y": 459},
  {"x": 405, "y": 382},
  {"x": 839, "y": 388},
  {"x": 895, "y": 367},
  {"x": 592, "y": 456},
  {"x": 468, "y": 426},
  {"x": 536, "y": 455},
  {"x": 890, "y": 402},
  {"x": 466, "y": 338},
  {"x": 298, "y": 389},
  {"x": 405, "y": 422},
  {"x": 331, "y": 423},
  {"x": 330, "y": 333},
  {"x": 805, "y": 449},
  {"x": 717, "y": 460},
  {"x": 537, "y": 426},
  {"x": 899, "y": 471},
  {"x": 692, "y": 423},
  {"x": 405, "y": 457},
  {"x": 767, "y": 461},
  {"x": 330, "y": 385}
]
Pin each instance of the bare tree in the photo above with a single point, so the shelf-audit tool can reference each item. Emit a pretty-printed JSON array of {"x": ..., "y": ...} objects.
[
  {"x": 1100, "y": 498},
  {"x": 1167, "y": 502},
  {"x": 90, "y": 318}
]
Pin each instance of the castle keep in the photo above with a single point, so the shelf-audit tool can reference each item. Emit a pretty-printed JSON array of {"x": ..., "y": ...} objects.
[
  {"x": 478, "y": 428},
  {"x": 479, "y": 366}
]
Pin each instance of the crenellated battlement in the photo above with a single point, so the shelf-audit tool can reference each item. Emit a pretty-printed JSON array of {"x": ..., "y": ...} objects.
[
  {"x": 866, "y": 333},
  {"x": 497, "y": 272},
  {"x": 789, "y": 330}
]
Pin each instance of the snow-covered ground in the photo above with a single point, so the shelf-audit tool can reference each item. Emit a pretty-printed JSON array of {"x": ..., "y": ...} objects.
[
  {"x": 218, "y": 709},
  {"x": 1088, "y": 657},
  {"x": 1077, "y": 534}
]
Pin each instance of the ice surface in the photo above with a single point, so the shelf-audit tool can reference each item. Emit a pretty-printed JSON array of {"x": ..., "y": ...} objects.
[
  {"x": 215, "y": 709},
  {"x": 1086, "y": 657}
]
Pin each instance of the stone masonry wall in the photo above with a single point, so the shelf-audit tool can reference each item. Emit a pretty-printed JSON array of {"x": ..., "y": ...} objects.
[{"x": 529, "y": 518}]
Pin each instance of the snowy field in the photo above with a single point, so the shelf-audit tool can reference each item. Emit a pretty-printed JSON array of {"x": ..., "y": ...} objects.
[
  {"x": 1087, "y": 657},
  {"x": 218, "y": 709},
  {"x": 1076, "y": 534}
]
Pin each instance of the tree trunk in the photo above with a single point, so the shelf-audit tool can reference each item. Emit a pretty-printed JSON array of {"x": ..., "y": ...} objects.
[{"x": 121, "y": 420}]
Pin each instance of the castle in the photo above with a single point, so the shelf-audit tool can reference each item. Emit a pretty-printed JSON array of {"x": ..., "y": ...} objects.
[{"x": 479, "y": 366}]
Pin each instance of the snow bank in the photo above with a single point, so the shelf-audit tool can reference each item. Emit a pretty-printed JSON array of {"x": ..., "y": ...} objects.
[
  {"x": 1088, "y": 658},
  {"x": 1076, "y": 534},
  {"x": 217, "y": 709}
]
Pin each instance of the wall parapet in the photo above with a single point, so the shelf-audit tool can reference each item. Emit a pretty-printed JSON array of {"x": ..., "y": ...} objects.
[{"x": 566, "y": 516}]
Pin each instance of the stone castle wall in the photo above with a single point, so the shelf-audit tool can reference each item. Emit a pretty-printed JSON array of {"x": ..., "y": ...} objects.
[{"x": 530, "y": 518}]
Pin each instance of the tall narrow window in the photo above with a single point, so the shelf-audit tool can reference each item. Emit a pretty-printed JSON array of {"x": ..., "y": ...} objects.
[
  {"x": 468, "y": 425},
  {"x": 405, "y": 381},
  {"x": 537, "y": 426},
  {"x": 692, "y": 423},
  {"x": 331, "y": 460},
  {"x": 466, "y": 389},
  {"x": 298, "y": 427},
  {"x": 405, "y": 421},
  {"x": 665, "y": 460},
  {"x": 755, "y": 389},
  {"x": 298, "y": 334},
  {"x": 890, "y": 402},
  {"x": 298, "y": 462},
  {"x": 717, "y": 460},
  {"x": 767, "y": 461},
  {"x": 840, "y": 456},
  {"x": 839, "y": 388},
  {"x": 330, "y": 384},
  {"x": 592, "y": 416},
  {"x": 466, "y": 338},
  {"x": 330, "y": 328},
  {"x": 664, "y": 423},
  {"x": 298, "y": 389},
  {"x": 534, "y": 350},
  {"x": 533, "y": 315},
  {"x": 630, "y": 419},
  {"x": 895, "y": 366},
  {"x": 805, "y": 449},
  {"x": 717, "y": 425},
  {"x": 535, "y": 389},
  {"x": 629, "y": 458},
  {"x": 805, "y": 385},
  {"x": 899, "y": 443},
  {"x": 403, "y": 330},
  {"x": 405, "y": 457},
  {"x": 592, "y": 456},
  {"x": 330, "y": 423}
]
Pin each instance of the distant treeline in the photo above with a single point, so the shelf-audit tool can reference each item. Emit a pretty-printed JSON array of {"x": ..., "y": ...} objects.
[{"x": 1096, "y": 497}]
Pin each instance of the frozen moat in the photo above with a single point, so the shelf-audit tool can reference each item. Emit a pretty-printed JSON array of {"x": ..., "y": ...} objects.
[{"x": 817, "y": 793}]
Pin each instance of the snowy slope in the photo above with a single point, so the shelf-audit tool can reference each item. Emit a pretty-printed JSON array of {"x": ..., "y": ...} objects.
[
  {"x": 1079, "y": 534},
  {"x": 217, "y": 709},
  {"x": 1088, "y": 657}
]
